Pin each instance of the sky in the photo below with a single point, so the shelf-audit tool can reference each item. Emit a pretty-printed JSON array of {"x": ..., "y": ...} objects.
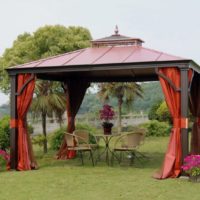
[{"x": 171, "y": 26}]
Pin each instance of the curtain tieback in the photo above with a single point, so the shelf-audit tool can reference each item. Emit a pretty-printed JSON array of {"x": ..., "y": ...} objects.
[
  {"x": 180, "y": 122},
  {"x": 14, "y": 123}
]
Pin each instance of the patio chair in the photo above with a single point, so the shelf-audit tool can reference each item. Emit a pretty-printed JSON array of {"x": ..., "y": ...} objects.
[
  {"x": 81, "y": 147},
  {"x": 129, "y": 143},
  {"x": 84, "y": 137}
]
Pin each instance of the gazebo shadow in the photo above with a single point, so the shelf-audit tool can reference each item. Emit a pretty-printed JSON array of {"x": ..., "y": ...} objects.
[{"x": 152, "y": 160}]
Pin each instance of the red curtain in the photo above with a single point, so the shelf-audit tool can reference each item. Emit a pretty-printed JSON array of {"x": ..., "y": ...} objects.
[
  {"x": 172, "y": 161},
  {"x": 26, "y": 160},
  {"x": 75, "y": 92},
  {"x": 195, "y": 110}
]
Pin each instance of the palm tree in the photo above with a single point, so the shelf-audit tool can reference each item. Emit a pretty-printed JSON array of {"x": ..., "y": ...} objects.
[
  {"x": 124, "y": 92},
  {"x": 48, "y": 100}
]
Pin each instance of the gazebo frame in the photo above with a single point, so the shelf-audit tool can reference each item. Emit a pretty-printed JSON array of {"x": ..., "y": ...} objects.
[{"x": 183, "y": 65}]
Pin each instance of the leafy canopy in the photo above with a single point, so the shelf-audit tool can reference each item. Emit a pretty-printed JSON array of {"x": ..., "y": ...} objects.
[{"x": 46, "y": 41}]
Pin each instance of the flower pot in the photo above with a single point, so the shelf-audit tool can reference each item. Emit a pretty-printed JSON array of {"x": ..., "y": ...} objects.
[
  {"x": 107, "y": 128},
  {"x": 195, "y": 179}
]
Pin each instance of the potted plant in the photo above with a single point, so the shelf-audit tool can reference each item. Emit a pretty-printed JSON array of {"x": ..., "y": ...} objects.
[
  {"x": 192, "y": 167},
  {"x": 107, "y": 114}
]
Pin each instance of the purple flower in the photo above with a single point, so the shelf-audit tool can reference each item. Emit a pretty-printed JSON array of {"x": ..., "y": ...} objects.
[
  {"x": 4, "y": 155},
  {"x": 106, "y": 113},
  {"x": 191, "y": 164}
]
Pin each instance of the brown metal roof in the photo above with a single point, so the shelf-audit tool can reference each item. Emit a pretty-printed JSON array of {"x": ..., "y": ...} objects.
[{"x": 103, "y": 55}]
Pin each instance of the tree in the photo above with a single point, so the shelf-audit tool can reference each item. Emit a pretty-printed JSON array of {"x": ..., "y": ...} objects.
[
  {"x": 46, "y": 41},
  {"x": 4, "y": 133},
  {"x": 124, "y": 92},
  {"x": 48, "y": 100}
]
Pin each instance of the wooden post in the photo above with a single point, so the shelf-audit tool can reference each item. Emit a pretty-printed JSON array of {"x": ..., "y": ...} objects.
[
  {"x": 184, "y": 111},
  {"x": 13, "y": 114}
]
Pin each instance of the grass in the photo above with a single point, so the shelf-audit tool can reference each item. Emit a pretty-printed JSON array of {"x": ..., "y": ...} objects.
[{"x": 63, "y": 180}]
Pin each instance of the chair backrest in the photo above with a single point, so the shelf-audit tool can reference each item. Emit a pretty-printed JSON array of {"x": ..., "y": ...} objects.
[
  {"x": 69, "y": 138},
  {"x": 83, "y": 136},
  {"x": 132, "y": 140}
]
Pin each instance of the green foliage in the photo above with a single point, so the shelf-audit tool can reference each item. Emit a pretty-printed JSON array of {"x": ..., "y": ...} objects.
[
  {"x": 163, "y": 113},
  {"x": 124, "y": 92},
  {"x": 57, "y": 138},
  {"x": 152, "y": 93},
  {"x": 46, "y": 41},
  {"x": 5, "y": 133},
  {"x": 58, "y": 135},
  {"x": 152, "y": 115},
  {"x": 195, "y": 171},
  {"x": 48, "y": 99},
  {"x": 38, "y": 140},
  {"x": 159, "y": 111},
  {"x": 30, "y": 129},
  {"x": 156, "y": 128}
]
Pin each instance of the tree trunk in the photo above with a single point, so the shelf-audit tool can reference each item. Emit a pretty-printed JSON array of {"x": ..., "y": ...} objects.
[
  {"x": 44, "y": 132},
  {"x": 119, "y": 114}
]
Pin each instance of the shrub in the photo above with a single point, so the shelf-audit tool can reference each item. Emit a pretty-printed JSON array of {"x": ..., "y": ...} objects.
[
  {"x": 163, "y": 113},
  {"x": 30, "y": 129},
  {"x": 5, "y": 133},
  {"x": 4, "y": 157},
  {"x": 152, "y": 112},
  {"x": 156, "y": 128},
  {"x": 38, "y": 140},
  {"x": 58, "y": 135}
]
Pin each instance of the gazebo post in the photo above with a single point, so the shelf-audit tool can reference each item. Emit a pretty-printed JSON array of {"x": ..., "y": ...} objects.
[
  {"x": 184, "y": 110},
  {"x": 14, "y": 129}
]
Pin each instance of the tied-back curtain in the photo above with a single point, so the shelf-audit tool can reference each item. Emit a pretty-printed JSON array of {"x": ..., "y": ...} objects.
[
  {"x": 172, "y": 160},
  {"x": 75, "y": 92},
  {"x": 170, "y": 80},
  {"x": 195, "y": 110},
  {"x": 26, "y": 160}
]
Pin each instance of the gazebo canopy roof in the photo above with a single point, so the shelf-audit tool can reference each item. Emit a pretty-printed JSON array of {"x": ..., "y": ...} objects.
[{"x": 114, "y": 58}]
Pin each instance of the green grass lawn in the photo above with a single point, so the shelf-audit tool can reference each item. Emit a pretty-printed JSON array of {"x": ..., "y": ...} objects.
[{"x": 68, "y": 180}]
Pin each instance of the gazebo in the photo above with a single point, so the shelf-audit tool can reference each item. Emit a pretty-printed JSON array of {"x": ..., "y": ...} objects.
[{"x": 116, "y": 58}]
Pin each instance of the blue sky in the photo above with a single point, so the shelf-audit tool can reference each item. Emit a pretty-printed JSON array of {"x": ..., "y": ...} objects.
[{"x": 172, "y": 26}]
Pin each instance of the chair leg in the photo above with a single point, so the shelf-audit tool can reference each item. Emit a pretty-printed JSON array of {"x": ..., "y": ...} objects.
[
  {"x": 112, "y": 158},
  {"x": 81, "y": 155},
  {"x": 91, "y": 155},
  {"x": 121, "y": 156},
  {"x": 132, "y": 158},
  {"x": 114, "y": 155}
]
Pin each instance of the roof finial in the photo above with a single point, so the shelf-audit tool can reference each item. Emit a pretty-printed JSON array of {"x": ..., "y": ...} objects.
[{"x": 116, "y": 30}]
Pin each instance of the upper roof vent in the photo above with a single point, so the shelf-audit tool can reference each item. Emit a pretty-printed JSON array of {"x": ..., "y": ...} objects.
[{"x": 117, "y": 40}]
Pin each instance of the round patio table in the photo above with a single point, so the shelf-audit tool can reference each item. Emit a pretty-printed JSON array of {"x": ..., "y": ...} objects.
[{"x": 107, "y": 150}]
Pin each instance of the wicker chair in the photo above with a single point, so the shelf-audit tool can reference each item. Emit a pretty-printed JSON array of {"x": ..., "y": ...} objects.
[
  {"x": 84, "y": 137},
  {"x": 129, "y": 143},
  {"x": 81, "y": 147}
]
